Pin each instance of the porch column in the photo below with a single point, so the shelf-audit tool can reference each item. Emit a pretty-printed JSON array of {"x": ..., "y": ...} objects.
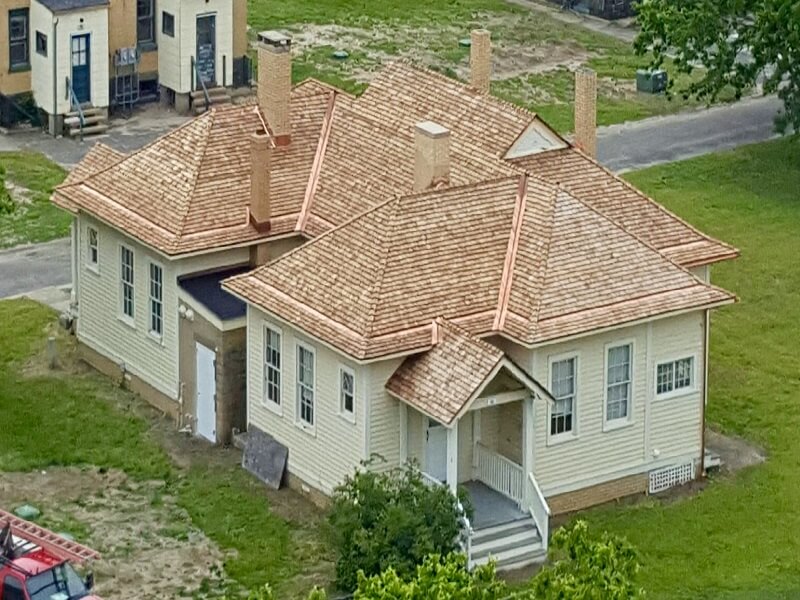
[
  {"x": 403, "y": 432},
  {"x": 527, "y": 435},
  {"x": 452, "y": 457}
]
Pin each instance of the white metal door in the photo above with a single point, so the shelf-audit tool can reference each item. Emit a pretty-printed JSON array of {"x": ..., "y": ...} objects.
[
  {"x": 206, "y": 381},
  {"x": 436, "y": 450}
]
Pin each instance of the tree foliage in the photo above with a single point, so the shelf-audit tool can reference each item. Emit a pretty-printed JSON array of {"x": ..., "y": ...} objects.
[
  {"x": 588, "y": 567},
  {"x": 392, "y": 519},
  {"x": 738, "y": 42}
]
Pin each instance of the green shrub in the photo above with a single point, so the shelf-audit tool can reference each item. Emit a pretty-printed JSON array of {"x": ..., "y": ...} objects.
[
  {"x": 392, "y": 519},
  {"x": 7, "y": 204}
]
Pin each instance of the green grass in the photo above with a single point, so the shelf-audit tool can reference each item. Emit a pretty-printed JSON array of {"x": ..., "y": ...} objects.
[
  {"x": 35, "y": 219},
  {"x": 428, "y": 33},
  {"x": 739, "y": 538},
  {"x": 43, "y": 424}
]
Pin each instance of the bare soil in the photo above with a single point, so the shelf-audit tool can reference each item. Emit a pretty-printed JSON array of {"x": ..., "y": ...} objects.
[
  {"x": 735, "y": 452},
  {"x": 149, "y": 548}
]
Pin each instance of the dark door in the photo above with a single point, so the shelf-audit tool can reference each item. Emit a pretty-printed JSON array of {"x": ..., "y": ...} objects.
[
  {"x": 207, "y": 49},
  {"x": 81, "y": 69}
]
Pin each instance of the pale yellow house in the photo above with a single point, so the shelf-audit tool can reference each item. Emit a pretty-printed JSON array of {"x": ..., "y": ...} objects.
[
  {"x": 80, "y": 57},
  {"x": 477, "y": 294}
]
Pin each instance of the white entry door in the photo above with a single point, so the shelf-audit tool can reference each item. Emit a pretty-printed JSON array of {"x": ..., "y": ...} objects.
[
  {"x": 206, "y": 381},
  {"x": 436, "y": 450}
]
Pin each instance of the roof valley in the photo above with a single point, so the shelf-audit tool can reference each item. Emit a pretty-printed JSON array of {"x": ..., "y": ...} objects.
[
  {"x": 506, "y": 280},
  {"x": 316, "y": 168}
]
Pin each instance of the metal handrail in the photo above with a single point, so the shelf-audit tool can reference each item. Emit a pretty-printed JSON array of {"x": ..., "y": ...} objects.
[
  {"x": 74, "y": 104},
  {"x": 197, "y": 77}
]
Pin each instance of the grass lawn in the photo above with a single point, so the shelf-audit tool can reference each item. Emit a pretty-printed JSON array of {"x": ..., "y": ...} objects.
[
  {"x": 740, "y": 537},
  {"x": 30, "y": 179},
  {"x": 43, "y": 425},
  {"x": 533, "y": 58}
]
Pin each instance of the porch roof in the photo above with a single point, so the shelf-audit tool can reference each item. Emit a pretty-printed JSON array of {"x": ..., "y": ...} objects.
[{"x": 444, "y": 381}]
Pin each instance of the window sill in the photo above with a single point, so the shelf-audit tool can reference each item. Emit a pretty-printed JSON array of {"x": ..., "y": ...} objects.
[
  {"x": 156, "y": 338},
  {"x": 19, "y": 68},
  {"x": 147, "y": 46},
  {"x": 272, "y": 407},
  {"x": 306, "y": 428},
  {"x": 561, "y": 438},
  {"x": 617, "y": 424},
  {"x": 93, "y": 269},
  {"x": 348, "y": 417},
  {"x": 676, "y": 394},
  {"x": 127, "y": 321}
]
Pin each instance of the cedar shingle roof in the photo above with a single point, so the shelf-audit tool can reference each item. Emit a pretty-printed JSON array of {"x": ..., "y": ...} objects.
[
  {"x": 98, "y": 158},
  {"x": 442, "y": 380},
  {"x": 516, "y": 256}
]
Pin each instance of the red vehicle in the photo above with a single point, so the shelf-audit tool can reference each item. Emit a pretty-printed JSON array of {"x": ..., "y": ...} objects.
[{"x": 36, "y": 564}]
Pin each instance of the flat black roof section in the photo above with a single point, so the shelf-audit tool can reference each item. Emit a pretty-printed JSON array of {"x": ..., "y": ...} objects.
[
  {"x": 207, "y": 290},
  {"x": 68, "y": 5}
]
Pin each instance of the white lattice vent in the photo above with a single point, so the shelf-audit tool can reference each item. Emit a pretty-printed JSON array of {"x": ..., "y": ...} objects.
[{"x": 663, "y": 479}]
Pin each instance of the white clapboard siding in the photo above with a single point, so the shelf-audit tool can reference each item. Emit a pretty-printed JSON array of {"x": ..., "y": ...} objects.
[
  {"x": 322, "y": 456},
  {"x": 384, "y": 421}
]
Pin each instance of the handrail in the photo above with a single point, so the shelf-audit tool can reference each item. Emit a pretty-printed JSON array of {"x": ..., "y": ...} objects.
[
  {"x": 539, "y": 509},
  {"x": 73, "y": 103},
  {"x": 500, "y": 473},
  {"x": 465, "y": 541},
  {"x": 206, "y": 97}
]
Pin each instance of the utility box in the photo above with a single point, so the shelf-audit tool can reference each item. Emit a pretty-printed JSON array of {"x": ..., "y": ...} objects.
[{"x": 651, "y": 82}]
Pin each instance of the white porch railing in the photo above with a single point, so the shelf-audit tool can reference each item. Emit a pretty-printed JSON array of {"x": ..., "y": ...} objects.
[
  {"x": 538, "y": 507},
  {"x": 500, "y": 474},
  {"x": 465, "y": 539}
]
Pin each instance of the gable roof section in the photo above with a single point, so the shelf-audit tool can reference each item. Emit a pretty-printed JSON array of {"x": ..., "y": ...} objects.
[
  {"x": 618, "y": 200},
  {"x": 516, "y": 256},
  {"x": 443, "y": 381}
]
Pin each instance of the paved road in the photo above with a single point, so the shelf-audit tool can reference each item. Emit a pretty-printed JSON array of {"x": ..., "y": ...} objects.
[
  {"x": 640, "y": 144},
  {"x": 27, "y": 268}
]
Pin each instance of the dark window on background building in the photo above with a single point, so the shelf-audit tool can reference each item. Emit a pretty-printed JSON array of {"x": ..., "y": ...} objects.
[
  {"x": 18, "y": 39},
  {"x": 41, "y": 43},
  {"x": 145, "y": 21},
  {"x": 168, "y": 24}
]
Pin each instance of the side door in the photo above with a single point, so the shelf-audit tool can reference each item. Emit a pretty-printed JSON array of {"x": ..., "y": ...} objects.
[
  {"x": 81, "y": 68},
  {"x": 207, "y": 49}
]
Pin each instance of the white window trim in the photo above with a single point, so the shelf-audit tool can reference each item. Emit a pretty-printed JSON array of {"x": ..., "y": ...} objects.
[
  {"x": 277, "y": 408},
  {"x": 348, "y": 416},
  {"x": 298, "y": 421},
  {"x": 128, "y": 320},
  {"x": 685, "y": 391},
  {"x": 157, "y": 337},
  {"x": 611, "y": 425},
  {"x": 94, "y": 267},
  {"x": 567, "y": 436}
]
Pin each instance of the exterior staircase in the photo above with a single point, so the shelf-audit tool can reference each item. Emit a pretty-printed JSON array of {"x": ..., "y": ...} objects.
[
  {"x": 95, "y": 122},
  {"x": 216, "y": 96},
  {"x": 512, "y": 545}
]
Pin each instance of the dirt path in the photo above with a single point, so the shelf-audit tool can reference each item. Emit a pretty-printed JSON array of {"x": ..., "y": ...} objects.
[{"x": 149, "y": 548}]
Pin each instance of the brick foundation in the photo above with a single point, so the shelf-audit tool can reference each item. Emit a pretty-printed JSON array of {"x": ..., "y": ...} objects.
[{"x": 598, "y": 494}]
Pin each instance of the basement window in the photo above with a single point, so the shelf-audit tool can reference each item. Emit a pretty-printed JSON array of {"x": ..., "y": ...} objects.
[{"x": 168, "y": 24}]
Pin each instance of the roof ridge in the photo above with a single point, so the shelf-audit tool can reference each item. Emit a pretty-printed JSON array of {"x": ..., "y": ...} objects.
[
  {"x": 463, "y": 186},
  {"x": 436, "y": 74},
  {"x": 375, "y": 290},
  {"x": 330, "y": 87},
  {"x": 507, "y": 275},
  {"x": 639, "y": 192},
  {"x": 204, "y": 148},
  {"x": 316, "y": 166}
]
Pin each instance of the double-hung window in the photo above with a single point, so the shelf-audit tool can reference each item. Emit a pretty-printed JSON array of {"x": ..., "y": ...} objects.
[
  {"x": 18, "y": 39},
  {"x": 675, "y": 376},
  {"x": 305, "y": 386},
  {"x": 618, "y": 382},
  {"x": 145, "y": 21},
  {"x": 156, "y": 300},
  {"x": 347, "y": 393},
  {"x": 126, "y": 281},
  {"x": 92, "y": 248},
  {"x": 272, "y": 366},
  {"x": 563, "y": 387}
]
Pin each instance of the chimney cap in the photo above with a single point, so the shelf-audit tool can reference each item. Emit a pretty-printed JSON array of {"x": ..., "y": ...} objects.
[
  {"x": 275, "y": 38},
  {"x": 432, "y": 129}
]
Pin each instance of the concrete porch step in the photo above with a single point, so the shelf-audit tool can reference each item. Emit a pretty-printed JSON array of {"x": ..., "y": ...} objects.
[
  {"x": 88, "y": 112},
  {"x": 512, "y": 545},
  {"x": 95, "y": 129},
  {"x": 73, "y": 122},
  {"x": 215, "y": 92}
]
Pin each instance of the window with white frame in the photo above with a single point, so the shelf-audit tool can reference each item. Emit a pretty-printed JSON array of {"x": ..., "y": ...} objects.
[
  {"x": 272, "y": 366},
  {"x": 126, "y": 281},
  {"x": 347, "y": 397},
  {"x": 562, "y": 386},
  {"x": 93, "y": 249},
  {"x": 305, "y": 385},
  {"x": 675, "y": 376},
  {"x": 618, "y": 382},
  {"x": 145, "y": 21},
  {"x": 156, "y": 300}
]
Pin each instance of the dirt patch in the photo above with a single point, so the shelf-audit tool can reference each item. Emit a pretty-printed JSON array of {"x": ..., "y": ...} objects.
[
  {"x": 19, "y": 194},
  {"x": 67, "y": 362},
  {"x": 735, "y": 452},
  {"x": 150, "y": 550}
]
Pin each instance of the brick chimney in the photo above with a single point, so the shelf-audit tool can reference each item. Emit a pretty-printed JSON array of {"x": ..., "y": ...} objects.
[
  {"x": 275, "y": 82},
  {"x": 431, "y": 155},
  {"x": 480, "y": 60},
  {"x": 260, "y": 164},
  {"x": 586, "y": 111}
]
